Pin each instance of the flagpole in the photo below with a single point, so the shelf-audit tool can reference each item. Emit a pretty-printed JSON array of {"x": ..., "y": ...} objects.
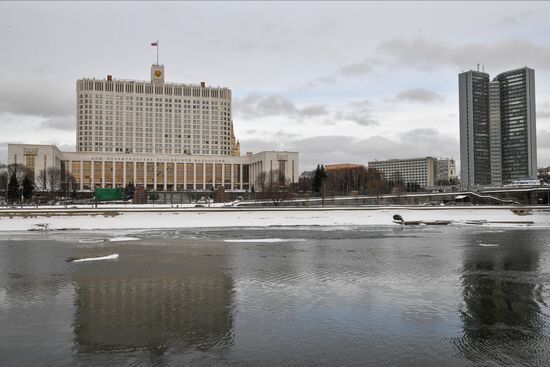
[{"x": 157, "y": 52}]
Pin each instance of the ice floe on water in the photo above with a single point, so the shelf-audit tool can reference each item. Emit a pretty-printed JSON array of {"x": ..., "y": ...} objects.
[
  {"x": 108, "y": 257},
  {"x": 268, "y": 240},
  {"x": 91, "y": 240},
  {"x": 488, "y": 244},
  {"x": 120, "y": 239}
]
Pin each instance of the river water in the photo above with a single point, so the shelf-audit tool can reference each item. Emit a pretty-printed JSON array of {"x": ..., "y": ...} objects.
[{"x": 323, "y": 296}]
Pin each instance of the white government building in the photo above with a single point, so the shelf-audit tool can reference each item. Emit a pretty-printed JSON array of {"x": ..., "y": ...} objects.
[{"x": 163, "y": 136}]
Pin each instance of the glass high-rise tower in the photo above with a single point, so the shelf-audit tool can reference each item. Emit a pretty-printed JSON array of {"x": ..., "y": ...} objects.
[
  {"x": 518, "y": 124},
  {"x": 475, "y": 154},
  {"x": 498, "y": 141}
]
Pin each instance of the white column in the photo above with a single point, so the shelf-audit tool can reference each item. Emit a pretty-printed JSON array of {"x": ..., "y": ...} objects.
[
  {"x": 175, "y": 176},
  {"x": 155, "y": 176},
  {"x": 232, "y": 176},
  {"x": 145, "y": 175},
  {"x": 241, "y": 177},
  {"x": 204, "y": 176},
  {"x": 214, "y": 175},
  {"x": 114, "y": 174},
  {"x": 194, "y": 176},
  {"x": 81, "y": 174},
  {"x": 223, "y": 174},
  {"x": 165, "y": 183},
  {"x": 102, "y": 174},
  {"x": 123, "y": 173},
  {"x": 184, "y": 176},
  {"x": 92, "y": 174},
  {"x": 135, "y": 174}
]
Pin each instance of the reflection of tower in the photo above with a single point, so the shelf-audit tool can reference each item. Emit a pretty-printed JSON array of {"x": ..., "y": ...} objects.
[
  {"x": 128, "y": 310},
  {"x": 501, "y": 314}
]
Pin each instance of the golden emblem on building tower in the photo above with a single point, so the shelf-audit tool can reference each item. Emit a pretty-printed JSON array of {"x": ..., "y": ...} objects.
[{"x": 158, "y": 73}]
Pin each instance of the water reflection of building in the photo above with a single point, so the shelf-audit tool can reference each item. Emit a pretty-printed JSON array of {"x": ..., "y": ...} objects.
[
  {"x": 130, "y": 311},
  {"x": 501, "y": 313}
]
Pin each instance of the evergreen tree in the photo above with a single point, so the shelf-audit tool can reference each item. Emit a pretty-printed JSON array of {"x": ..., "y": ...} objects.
[
  {"x": 14, "y": 191},
  {"x": 129, "y": 191},
  {"x": 319, "y": 177},
  {"x": 27, "y": 187}
]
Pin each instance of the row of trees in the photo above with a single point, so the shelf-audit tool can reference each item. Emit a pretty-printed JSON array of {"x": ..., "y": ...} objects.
[
  {"x": 360, "y": 180},
  {"x": 18, "y": 184},
  {"x": 342, "y": 181}
]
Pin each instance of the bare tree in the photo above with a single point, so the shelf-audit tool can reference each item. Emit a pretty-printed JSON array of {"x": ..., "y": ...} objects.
[
  {"x": 275, "y": 186},
  {"x": 374, "y": 183},
  {"x": 54, "y": 177},
  {"x": 20, "y": 171},
  {"x": 42, "y": 180},
  {"x": 51, "y": 180},
  {"x": 4, "y": 179},
  {"x": 398, "y": 184},
  {"x": 304, "y": 182}
]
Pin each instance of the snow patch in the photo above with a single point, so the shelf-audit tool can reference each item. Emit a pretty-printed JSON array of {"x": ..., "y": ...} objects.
[
  {"x": 120, "y": 239},
  {"x": 108, "y": 257},
  {"x": 268, "y": 240},
  {"x": 91, "y": 240}
]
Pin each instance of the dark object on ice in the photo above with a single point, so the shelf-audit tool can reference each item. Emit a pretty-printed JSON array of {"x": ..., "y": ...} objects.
[
  {"x": 522, "y": 211},
  {"x": 399, "y": 220}
]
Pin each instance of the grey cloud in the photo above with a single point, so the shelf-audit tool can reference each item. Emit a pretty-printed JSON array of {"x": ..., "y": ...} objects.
[
  {"x": 359, "y": 68},
  {"x": 328, "y": 79},
  {"x": 358, "y": 112},
  {"x": 427, "y": 54},
  {"x": 38, "y": 99},
  {"x": 354, "y": 69},
  {"x": 543, "y": 114},
  {"x": 508, "y": 21},
  {"x": 313, "y": 110},
  {"x": 419, "y": 134},
  {"x": 67, "y": 122},
  {"x": 515, "y": 19},
  {"x": 257, "y": 105},
  {"x": 543, "y": 142},
  {"x": 419, "y": 95}
]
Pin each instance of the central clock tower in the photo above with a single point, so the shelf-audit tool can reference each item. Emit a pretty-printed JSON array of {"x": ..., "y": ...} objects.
[{"x": 157, "y": 73}]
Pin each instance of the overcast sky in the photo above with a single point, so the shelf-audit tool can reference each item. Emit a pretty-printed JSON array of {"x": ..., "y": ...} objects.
[{"x": 338, "y": 82}]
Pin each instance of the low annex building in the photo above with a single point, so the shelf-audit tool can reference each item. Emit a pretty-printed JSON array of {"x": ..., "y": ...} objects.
[{"x": 158, "y": 172}]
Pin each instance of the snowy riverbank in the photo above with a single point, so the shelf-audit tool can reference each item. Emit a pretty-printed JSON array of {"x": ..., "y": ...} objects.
[{"x": 185, "y": 218}]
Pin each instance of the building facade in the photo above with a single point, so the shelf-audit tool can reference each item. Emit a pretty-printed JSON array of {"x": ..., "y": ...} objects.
[
  {"x": 133, "y": 116},
  {"x": 497, "y": 127},
  {"x": 414, "y": 170},
  {"x": 445, "y": 171},
  {"x": 495, "y": 133}
]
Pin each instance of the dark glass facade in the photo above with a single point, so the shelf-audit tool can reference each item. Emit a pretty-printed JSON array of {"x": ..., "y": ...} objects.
[
  {"x": 514, "y": 124},
  {"x": 481, "y": 132}
]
